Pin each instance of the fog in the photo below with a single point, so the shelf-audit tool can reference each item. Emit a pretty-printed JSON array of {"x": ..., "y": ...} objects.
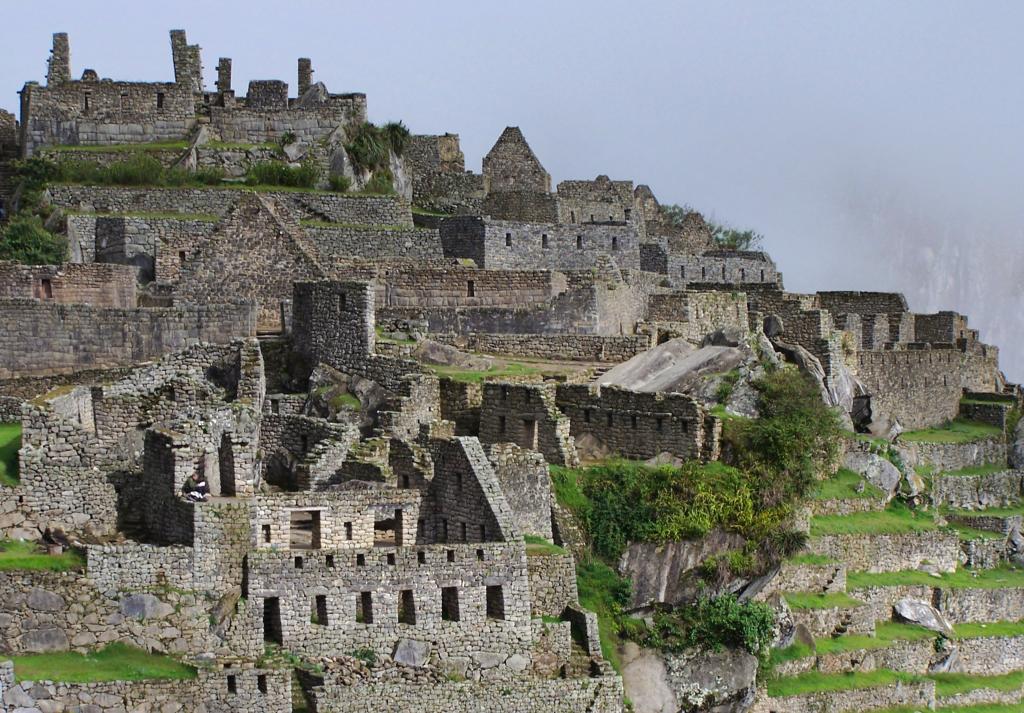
[{"x": 876, "y": 145}]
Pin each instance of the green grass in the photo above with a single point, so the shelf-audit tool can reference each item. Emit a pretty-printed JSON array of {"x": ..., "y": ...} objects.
[
  {"x": 234, "y": 146},
  {"x": 10, "y": 442},
  {"x": 999, "y": 578},
  {"x": 981, "y": 708},
  {"x": 843, "y": 486},
  {"x": 116, "y": 662},
  {"x": 897, "y": 518},
  {"x": 120, "y": 148},
  {"x": 886, "y": 634},
  {"x": 603, "y": 591},
  {"x": 810, "y": 600},
  {"x": 349, "y": 401},
  {"x": 810, "y": 558},
  {"x": 467, "y": 376},
  {"x": 951, "y": 684},
  {"x": 417, "y": 210},
  {"x": 539, "y": 546},
  {"x": 814, "y": 681},
  {"x": 975, "y": 630},
  {"x": 986, "y": 469},
  {"x": 353, "y": 226},
  {"x": 1009, "y": 511},
  {"x": 958, "y": 431},
  {"x": 793, "y": 652},
  {"x": 16, "y": 555}
]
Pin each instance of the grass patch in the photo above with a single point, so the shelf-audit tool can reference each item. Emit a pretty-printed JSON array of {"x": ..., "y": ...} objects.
[
  {"x": 811, "y": 600},
  {"x": 886, "y": 634},
  {"x": 115, "y": 662},
  {"x": 10, "y": 442},
  {"x": 793, "y": 652},
  {"x": 539, "y": 546},
  {"x": 353, "y": 226},
  {"x": 604, "y": 592},
  {"x": 810, "y": 558},
  {"x": 843, "y": 486},
  {"x": 417, "y": 210},
  {"x": 468, "y": 376},
  {"x": 340, "y": 401},
  {"x": 119, "y": 148},
  {"x": 897, "y": 518},
  {"x": 951, "y": 684},
  {"x": 204, "y": 217},
  {"x": 998, "y": 578},
  {"x": 1009, "y": 511},
  {"x": 815, "y": 681},
  {"x": 235, "y": 146},
  {"x": 957, "y": 431},
  {"x": 16, "y": 555},
  {"x": 987, "y": 469},
  {"x": 989, "y": 629}
]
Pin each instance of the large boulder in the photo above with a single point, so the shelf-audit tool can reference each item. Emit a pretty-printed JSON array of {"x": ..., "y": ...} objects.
[
  {"x": 914, "y": 611},
  {"x": 673, "y": 366},
  {"x": 876, "y": 470},
  {"x": 145, "y": 606},
  {"x": 713, "y": 681},
  {"x": 646, "y": 681},
  {"x": 44, "y": 641},
  {"x": 411, "y": 652},
  {"x": 430, "y": 352},
  {"x": 44, "y": 600},
  {"x": 1016, "y": 454}
]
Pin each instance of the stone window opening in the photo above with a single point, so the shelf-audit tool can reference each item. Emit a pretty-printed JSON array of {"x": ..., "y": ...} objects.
[
  {"x": 508, "y": 240},
  {"x": 348, "y": 531},
  {"x": 85, "y": 102},
  {"x": 611, "y": 218},
  {"x": 391, "y": 558},
  {"x": 449, "y": 604},
  {"x": 261, "y": 683},
  {"x": 633, "y": 422},
  {"x": 579, "y": 242},
  {"x": 46, "y": 288},
  {"x": 159, "y": 100},
  {"x": 615, "y": 243},
  {"x": 298, "y": 563},
  {"x": 304, "y": 530},
  {"x": 450, "y": 555},
  {"x": 586, "y": 415},
  {"x": 421, "y": 528},
  {"x": 304, "y": 440},
  {"x": 406, "y": 607},
  {"x": 329, "y": 561},
  {"x": 318, "y": 615},
  {"x": 266, "y": 533},
  {"x": 232, "y": 684},
  {"x": 501, "y": 424},
  {"x": 360, "y": 560},
  {"x": 658, "y": 423},
  {"x": 480, "y": 555},
  {"x": 682, "y": 271},
  {"x": 504, "y": 393},
  {"x": 123, "y": 101},
  {"x": 387, "y": 531},
  {"x": 544, "y": 241},
  {"x": 226, "y": 461},
  {"x": 275, "y": 406},
  {"x": 572, "y": 216},
  {"x": 703, "y": 273},
  {"x": 684, "y": 426},
  {"x": 421, "y": 557},
  {"x": 465, "y": 532},
  {"x": 611, "y": 419},
  {"x": 483, "y": 533},
  {"x": 181, "y": 256},
  {"x": 364, "y": 608},
  {"x": 495, "y": 602},
  {"x": 272, "y": 620},
  {"x": 530, "y": 434},
  {"x": 626, "y": 213},
  {"x": 470, "y": 289},
  {"x": 723, "y": 272},
  {"x": 591, "y": 217},
  {"x": 743, "y": 274},
  {"x": 762, "y": 275},
  {"x": 405, "y": 480}
]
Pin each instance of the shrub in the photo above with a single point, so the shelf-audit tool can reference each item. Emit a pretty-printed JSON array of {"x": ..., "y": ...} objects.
[
  {"x": 382, "y": 182},
  {"x": 36, "y": 172},
  {"x": 138, "y": 170},
  {"x": 728, "y": 238},
  {"x": 341, "y": 184},
  {"x": 715, "y": 623},
  {"x": 210, "y": 176},
  {"x": 278, "y": 173},
  {"x": 288, "y": 138},
  {"x": 369, "y": 147},
  {"x": 367, "y": 656},
  {"x": 25, "y": 240},
  {"x": 397, "y": 136}
]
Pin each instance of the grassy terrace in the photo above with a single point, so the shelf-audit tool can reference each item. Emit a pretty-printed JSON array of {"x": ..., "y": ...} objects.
[
  {"x": 958, "y": 431},
  {"x": 152, "y": 215},
  {"x": 843, "y": 486},
  {"x": 538, "y": 546},
  {"x": 10, "y": 442},
  {"x": 950, "y": 684},
  {"x": 897, "y": 518},
  {"x": 353, "y": 226},
  {"x": 16, "y": 555},
  {"x": 810, "y": 600},
  {"x": 986, "y": 469},
  {"x": 119, "y": 148},
  {"x": 999, "y": 578},
  {"x": 116, "y": 662},
  {"x": 814, "y": 681},
  {"x": 810, "y": 559}
]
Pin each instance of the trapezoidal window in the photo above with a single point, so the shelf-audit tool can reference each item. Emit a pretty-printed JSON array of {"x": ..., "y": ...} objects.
[
  {"x": 579, "y": 242},
  {"x": 123, "y": 101},
  {"x": 318, "y": 613},
  {"x": 159, "y": 100},
  {"x": 449, "y": 604},
  {"x": 495, "y": 602},
  {"x": 85, "y": 102},
  {"x": 470, "y": 289},
  {"x": 364, "y": 608},
  {"x": 232, "y": 684},
  {"x": 272, "y": 620},
  {"x": 387, "y": 531},
  {"x": 45, "y": 289},
  {"x": 304, "y": 530},
  {"x": 508, "y": 240},
  {"x": 406, "y": 607},
  {"x": 226, "y": 462},
  {"x": 530, "y": 434},
  {"x": 615, "y": 243},
  {"x": 544, "y": 241},
  {"x": 261, "y": 683}
]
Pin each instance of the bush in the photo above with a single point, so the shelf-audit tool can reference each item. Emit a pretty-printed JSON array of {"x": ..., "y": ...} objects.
[
  {"x": 278, "y": 173},
  {"x": 381, "y": 183},
  {"x": 340, "y": 184},
  {"x": 25, "y": 240},
  {"x": 211, "y": 176},
  {"x": 397, "y": 135},
  {"x": 714, "y": 624},
  {"x": 728, "y": 238},
  {"x": 139, "y": 170},
  {"x": 370, "y": 147}
]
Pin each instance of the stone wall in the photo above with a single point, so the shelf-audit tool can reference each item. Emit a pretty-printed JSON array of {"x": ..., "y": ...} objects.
[
  {"x": 331, "y": 244},
  {"x": 523, "y": 206},
  {"x": 533, "y": 695},
  {"x": 524, "y": 479},
  {"x": 977, "y": 492},
  {"x": 564, "y": 347},
  {"x": 527, "y": 415},
  {"x": 952, "y": 456},
  {"x": 440, "y": 181},
  {"x": 46, "y": 338},
  {"x": 909, "y": 695},
  {"x": 333, "y": 207},
  {"x": 640, "y": 425},
  {"x": 890, "y": 553},
  {"x": 694, "y": 315},
  {"x": 69, "y": 283},
  {"x": 596, "y": 201},
  {"x": 552, "y": 583},
  {"x": 260, "y": 123},
  {"x": 511, "y": 165}
]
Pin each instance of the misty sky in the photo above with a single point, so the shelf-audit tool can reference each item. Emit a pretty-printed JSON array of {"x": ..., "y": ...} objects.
[{"x": 877, "y": 145}]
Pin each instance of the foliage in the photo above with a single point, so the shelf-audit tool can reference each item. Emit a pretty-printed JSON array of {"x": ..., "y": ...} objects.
[
  {"x": 371, "y": 146},
  {"x": 714, "y": 623},
  {"x": 844, "y": 486},
  {"x": 115, "y": 662},
  {"x": 539, "y": 546},
  {"x": 728, "y": 238},
  {"x": 604, "y": 592},
  {"x": 10, "y": 442},
  {"x": 381, "y": 182},
  {"x": 25, "y": 240},
  {"x": 675, "y": 214},
  {"x": 795, "y": 439},
  {"x": 814, "y": 681},
  {"x": 726, "y": 386},
  {"x": 897, "y": 518},
  {"x": 209, "y": 176},
  {"x": 338, "y": 183},
  {"x": 957, "y": 431},
  {"x": 398, "y": 136},
  {"x": 998, "y": 578},
  {"x": 278, "y": 173},
  {"x": 287, "y": 138},
  {"x": 812, "y": 600},
  {"x": 138, "y": 169},
  {"x": 367, "y": 656},
  {"x": 16, "y": 555}
]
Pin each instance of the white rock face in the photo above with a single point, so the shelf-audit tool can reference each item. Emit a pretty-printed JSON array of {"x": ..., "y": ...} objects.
[
  {"x": 917, "y": 612},
  {"x": 876, "y": 470}
]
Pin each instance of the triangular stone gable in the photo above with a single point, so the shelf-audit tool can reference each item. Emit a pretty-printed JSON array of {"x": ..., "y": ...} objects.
[{"x": 511, "y": 165}]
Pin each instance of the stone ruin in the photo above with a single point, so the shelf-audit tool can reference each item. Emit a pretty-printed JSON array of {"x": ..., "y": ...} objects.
[{"x": 295, "y": 350}]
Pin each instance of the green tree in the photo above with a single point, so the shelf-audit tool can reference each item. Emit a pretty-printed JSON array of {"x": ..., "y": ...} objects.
[
  {"x": 732, "y": 239},
  {"x": 25, "y": 240}
]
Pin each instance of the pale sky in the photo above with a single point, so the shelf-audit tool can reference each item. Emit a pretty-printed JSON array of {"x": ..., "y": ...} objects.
[{"x": 877, "y": 145}]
